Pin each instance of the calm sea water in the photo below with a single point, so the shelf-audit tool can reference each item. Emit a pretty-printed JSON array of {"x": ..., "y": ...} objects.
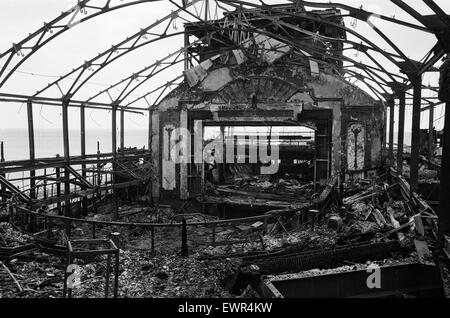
[{"x": 48, "y": 143}]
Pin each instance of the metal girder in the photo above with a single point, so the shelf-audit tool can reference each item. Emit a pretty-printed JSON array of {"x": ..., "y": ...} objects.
[
  {"x": 440, "y": 13},
  {"x": 361, "y": 14},
  {"x": 236, "y": 4},
  {"x": 64, "y": 22},
  {"x": 146, "y": 74},
  {"x": 16, "y": 98},
  {"x": 99, "y": 62},
  {"x": 416, "y": 15},
  {"x": 82, "y": 74}
]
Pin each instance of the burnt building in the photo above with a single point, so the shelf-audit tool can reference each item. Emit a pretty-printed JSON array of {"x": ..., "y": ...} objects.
[{"x": 248, "y": 77}]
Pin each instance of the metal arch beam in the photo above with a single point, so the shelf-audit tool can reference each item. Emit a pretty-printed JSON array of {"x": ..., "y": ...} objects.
[
  {"x": 439, "y": 12},
  {"x": 152, "y": 69},
  {"x": 88, "y": 64},
  {"x": 40, "y": 35},
  {"x": 129, "y": 79},
  {"x": 361, "y": 14},
  {"x": 357, "y": 65},
  {"x": 77, "y": 84},
  {"x": 333, "y": 39},
  {"x": 126, "y": 46},
  {"x": 168, "y": 84},
  {"x": 326, "y": 22},
  {"x": 295, "y": 28},
  {"x": 416, "y": 15}
]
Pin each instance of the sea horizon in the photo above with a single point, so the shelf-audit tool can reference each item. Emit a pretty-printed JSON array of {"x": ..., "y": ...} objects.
[{"x": 49, "y": 142}]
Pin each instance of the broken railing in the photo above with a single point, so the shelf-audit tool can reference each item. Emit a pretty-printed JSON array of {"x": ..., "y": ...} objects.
[{"x": 44, "y": 224}]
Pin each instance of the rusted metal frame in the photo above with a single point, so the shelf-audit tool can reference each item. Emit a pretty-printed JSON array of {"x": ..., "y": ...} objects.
[
  {"x": 361, "y": 14},
  {"x": 49, "y": 27}
]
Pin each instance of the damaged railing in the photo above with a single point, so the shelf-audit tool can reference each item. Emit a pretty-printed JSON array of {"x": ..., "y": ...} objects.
[{"x": 44, "y": 224}]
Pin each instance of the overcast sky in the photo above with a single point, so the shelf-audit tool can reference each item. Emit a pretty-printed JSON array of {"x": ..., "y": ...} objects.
[{"x": 82, "y": 42}]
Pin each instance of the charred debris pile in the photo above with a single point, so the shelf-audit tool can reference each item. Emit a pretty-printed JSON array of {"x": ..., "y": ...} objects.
[{"x": 339, "y": 229}]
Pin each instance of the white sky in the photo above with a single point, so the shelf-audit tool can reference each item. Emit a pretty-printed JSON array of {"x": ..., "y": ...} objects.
[{"x": 20, "y": 17}]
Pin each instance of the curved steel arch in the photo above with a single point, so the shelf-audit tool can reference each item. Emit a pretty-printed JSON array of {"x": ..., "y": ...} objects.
[
  {"x": 104, "y": 9},
  {"x": 308, "y": 17},
  {"x": 245, "y": 29},
  {"x": 357, "y": 13},
  {"x": 48, "y": 28},
  {"x": 126, "y": 46}
]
